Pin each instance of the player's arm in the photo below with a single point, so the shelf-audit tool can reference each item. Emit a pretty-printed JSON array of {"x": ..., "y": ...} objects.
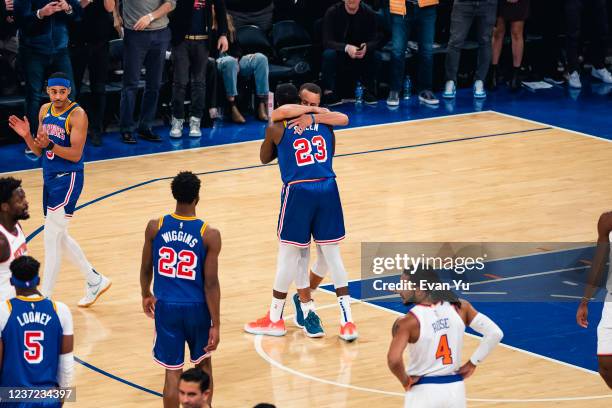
[
  {"x": 481, "y": 324},
  {"x": 267, "y": 151},
  {"x": 5, "y": 248},
  {"x": 65, "y": 367},
  {"x": 293, "y": 110},
  {"x": 212, "y": 289},
  {"x": 332, "y": 118},
  {"x": 78, "y": 134},
  {"x": 604, "y": 226},
  {"x": 401, "y": 333},
  {"x": 22, "y": 128},
  {"x": 146, "y": 268}
]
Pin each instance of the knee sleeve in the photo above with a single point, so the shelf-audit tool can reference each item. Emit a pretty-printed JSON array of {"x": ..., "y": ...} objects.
[
  {"x": 331, "y": 253},
  {"x": 286, "y": 266}
]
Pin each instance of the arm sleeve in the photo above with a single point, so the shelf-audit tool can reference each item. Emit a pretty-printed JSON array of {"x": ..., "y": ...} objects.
[
  {"x": 65, "y": 369},
  {"x": 65, "y": 317},
  {"x": 491, "y": 336},
  {"x": 4, "y": 315}
]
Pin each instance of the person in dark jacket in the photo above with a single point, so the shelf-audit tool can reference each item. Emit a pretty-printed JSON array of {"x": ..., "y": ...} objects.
[
  {"x": 350, "y": 37},
  {"x": 191, "y": 24},
  {"x": 43, "y": 45},
  {"x": 8, "y": 48}
]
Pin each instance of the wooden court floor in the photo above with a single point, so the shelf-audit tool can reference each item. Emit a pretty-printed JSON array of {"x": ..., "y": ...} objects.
[{"x": 429, "y": 180}]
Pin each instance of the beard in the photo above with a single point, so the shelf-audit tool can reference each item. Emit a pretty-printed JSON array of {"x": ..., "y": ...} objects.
[{"x": 23, "y": 216}]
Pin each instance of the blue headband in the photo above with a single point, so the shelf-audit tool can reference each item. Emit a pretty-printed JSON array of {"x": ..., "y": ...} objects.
[
  {"x": 58, "y": 82},
  {"x": 25, "y": 284}
]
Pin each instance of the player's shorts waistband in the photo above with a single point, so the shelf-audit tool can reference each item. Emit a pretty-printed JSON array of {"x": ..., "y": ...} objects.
[
  {"x": 439, "y": 379},
  {"x": 307, "y": 181}
]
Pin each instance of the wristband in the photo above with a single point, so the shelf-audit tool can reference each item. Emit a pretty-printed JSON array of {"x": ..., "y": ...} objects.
[
  {"x": 585, "y": 299},
  {"x": 38, "y": 14},
  {"x": 50, "y": 146},
  {"x": 313, "y": 118}
]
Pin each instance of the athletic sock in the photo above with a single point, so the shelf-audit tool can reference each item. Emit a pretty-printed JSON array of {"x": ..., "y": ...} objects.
[{"x": 276, "y": 309}]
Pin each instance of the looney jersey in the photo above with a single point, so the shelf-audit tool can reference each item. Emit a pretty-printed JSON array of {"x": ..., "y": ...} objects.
[
  {"x": 178, "y": 259},
  {"x": 307, "y": 156},
  {"x": 57, "y": 126},
  {"x": 17, "y": 245},
  {"x": 32, "y": 330},
  {"x": 438, "y": 350}
]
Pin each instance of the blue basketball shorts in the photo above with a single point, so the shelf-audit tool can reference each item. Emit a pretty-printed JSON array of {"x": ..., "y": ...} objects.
[
  {"x": 62, "y": 190},
  {"x": 310, "y": 208},
  {"x": 175, "y": 324}
]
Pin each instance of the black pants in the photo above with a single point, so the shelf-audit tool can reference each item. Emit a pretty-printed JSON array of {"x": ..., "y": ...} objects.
[
  {"x": 94, "y": 56},
  {"x": 189, "y": 61},
  {"x": 599, "y": 20},
  {"x": 335, "y": 62}
]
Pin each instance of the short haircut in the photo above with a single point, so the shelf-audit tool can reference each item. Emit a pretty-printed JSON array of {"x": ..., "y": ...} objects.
[
  {"x": 186, "y": 187},
  {"x": 61, "y": 75},
  {"x": 264, "y": 405},
  {"x": 286, "y": 94},
  {"x": 310, "y": 87},
  {"x": 25, "y": 268},
  {"x": 429, "y": 276},
  {"x": 196, "y": 375},
  {"x": 7, "y": 186}
]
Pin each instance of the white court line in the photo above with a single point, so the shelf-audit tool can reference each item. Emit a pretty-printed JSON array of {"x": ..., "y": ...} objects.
[
  {"x": 570, "y": 283},
  {"x": 484, "y": 293},
  {"x": 529, "y": 275},
  {"x": 257, "y": 341},
  {"x": 568, "y": 297}
]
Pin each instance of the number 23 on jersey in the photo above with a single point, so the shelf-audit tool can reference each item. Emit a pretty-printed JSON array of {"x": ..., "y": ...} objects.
[{"x": 303, "y": 150}]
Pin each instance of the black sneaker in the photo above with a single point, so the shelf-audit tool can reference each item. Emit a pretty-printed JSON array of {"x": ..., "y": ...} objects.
[
  {"x": 428, "y": 97},
  {"x": 128, "y": 138},
  {"x": 369, "y": 98},
  {"x": 96, "y": 140},
  {"x": 147, "y": 134},
  {"x": 331, "y": 99}
]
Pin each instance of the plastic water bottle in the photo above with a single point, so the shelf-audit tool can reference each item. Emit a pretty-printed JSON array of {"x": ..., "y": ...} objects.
[
  {"x": 407, "y": 87},
  {"x": 359, "y": 93}
]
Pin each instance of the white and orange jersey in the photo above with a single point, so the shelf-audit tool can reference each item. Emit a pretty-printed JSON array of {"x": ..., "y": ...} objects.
[
  {"x": 17, "y": 243},
  {"x": 438, "y": 348},
  {"x": 609, "y": 282}
]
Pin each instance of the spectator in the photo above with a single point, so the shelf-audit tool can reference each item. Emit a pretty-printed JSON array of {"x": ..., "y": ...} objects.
[
  {"x": 194, "y": 388},
  {"x": 89, "y": 50},
  {"x": 190, "y": 50},
  {"x": 405, "y": 14},
  {"x": 573, "y": 16},
  {"x": 234, "y": 64},
  {"x": 549, "y": 15},
  {"x": 516, "y": 12},
  {"x": 43, "y": 45},
  {"x": 463, "y": 15},
  {"x": 145, "y": 42},
  {"x": 251, "y": 12},
  {"x": 8, "y": 48},
  {"x": 350, "y": 37}
]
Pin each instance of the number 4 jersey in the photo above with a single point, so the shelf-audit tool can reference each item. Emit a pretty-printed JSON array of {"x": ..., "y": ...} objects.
[
  {"x": 32, "y": 330},
  {"x": 178, "y": 259}
]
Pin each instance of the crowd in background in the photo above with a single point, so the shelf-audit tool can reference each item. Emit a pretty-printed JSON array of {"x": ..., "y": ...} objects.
[{"x": 195, "y": 47}]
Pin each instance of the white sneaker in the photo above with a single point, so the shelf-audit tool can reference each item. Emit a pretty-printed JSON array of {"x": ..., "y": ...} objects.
[
  {"x": 449, "y": 90},
  {"x": 602, "y": 74},
  {"x": 194, "y": 127},
  {"x": 574, "y": 80},
  {"x": 176, "y": 130},
  {"x": 93, "y": 292},
  {"x": 479, "y": 91}
]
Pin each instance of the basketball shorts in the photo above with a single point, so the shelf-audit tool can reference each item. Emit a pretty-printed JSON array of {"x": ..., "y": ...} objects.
[
  {"x": 62, "y": 190},
  {"x": 431, "y": 395},
  {"x": 310, "y": 208},
  {"x": 604, "y": 330},
  {"x": 175, "y": 324}
]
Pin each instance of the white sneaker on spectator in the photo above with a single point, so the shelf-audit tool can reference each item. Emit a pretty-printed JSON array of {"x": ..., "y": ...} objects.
[
  {"x": 574, "y": 80},
  {"x": 194, "y": 127},
  {"x": 393, "y": 99},
  {"x": 176, "y": 129},
  {"x": 479, "y": 91},
  {"x": 602, "y": 74},
  {"x": 429, "y": 98},
  {"x": 449, "y": 90}
]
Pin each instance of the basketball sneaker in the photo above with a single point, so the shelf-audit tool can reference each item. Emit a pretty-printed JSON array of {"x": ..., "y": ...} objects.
[
  {"x": 298, "y": 317},
  {"x": 312, "y": 325},
  {"x": 93, "y": 292},
  {"x": 348, "y": 331},
  {"x": 266, "y": 327}
]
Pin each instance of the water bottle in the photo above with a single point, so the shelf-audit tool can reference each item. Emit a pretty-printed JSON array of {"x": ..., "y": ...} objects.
[
  {"x": 359, "y": 93},
  {"x": 407, "y": 87}
]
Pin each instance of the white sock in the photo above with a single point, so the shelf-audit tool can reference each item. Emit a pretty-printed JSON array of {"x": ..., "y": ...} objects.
[
  {"x": 55, "y": 226},
  {"x": 307, "y": 307},
  {"x": 345, "y": 309},
  {"x": 276, "y": 309},
  {"x": 76, "y": 255}
]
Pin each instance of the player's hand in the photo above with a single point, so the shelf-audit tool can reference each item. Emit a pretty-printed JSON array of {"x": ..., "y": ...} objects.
[
  {"x": 222, "y": 44},
  {"x": 143, "y": 22},
  {"x": 213, "y": 339},
  {"x": 21, "y": 127},
  {"x": 351, "y": 50},
  {"x": 319, "y": 109},
  {"x": 50, "y": 9},
  {"x": 582, "y": 315},
  {"x": 467, "y": 370},
  {"x": 301, "y": 123},
  {"x": 42, "y": 139},
  {"x": 148, "y": 305}
]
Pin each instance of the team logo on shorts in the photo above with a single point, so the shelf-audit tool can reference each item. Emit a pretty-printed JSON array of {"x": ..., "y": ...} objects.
[{"x": 50, "y": 155}]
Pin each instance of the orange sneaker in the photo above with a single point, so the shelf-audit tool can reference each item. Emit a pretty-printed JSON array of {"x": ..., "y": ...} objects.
[
  {"x": 266, "y": 327},
  {"x": 348, "y": 332}
]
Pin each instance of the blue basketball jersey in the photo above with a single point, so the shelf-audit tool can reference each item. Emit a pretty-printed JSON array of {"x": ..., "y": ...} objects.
[
  {"x": 307, "y": 156},
  {"x": 32, "y": 341},
  {"x": 57, "y": 126},
  {"x": 178, "y": 259}
]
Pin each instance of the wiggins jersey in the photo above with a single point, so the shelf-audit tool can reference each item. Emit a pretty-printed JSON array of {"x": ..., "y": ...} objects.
[
  {"x": 57, "y": 126},
  {"x": 32, "y": 338},
  {"x": 307, "y": 156},
  {"x": 178, "y": 259},
  {"x": 438, "y": 348}
]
